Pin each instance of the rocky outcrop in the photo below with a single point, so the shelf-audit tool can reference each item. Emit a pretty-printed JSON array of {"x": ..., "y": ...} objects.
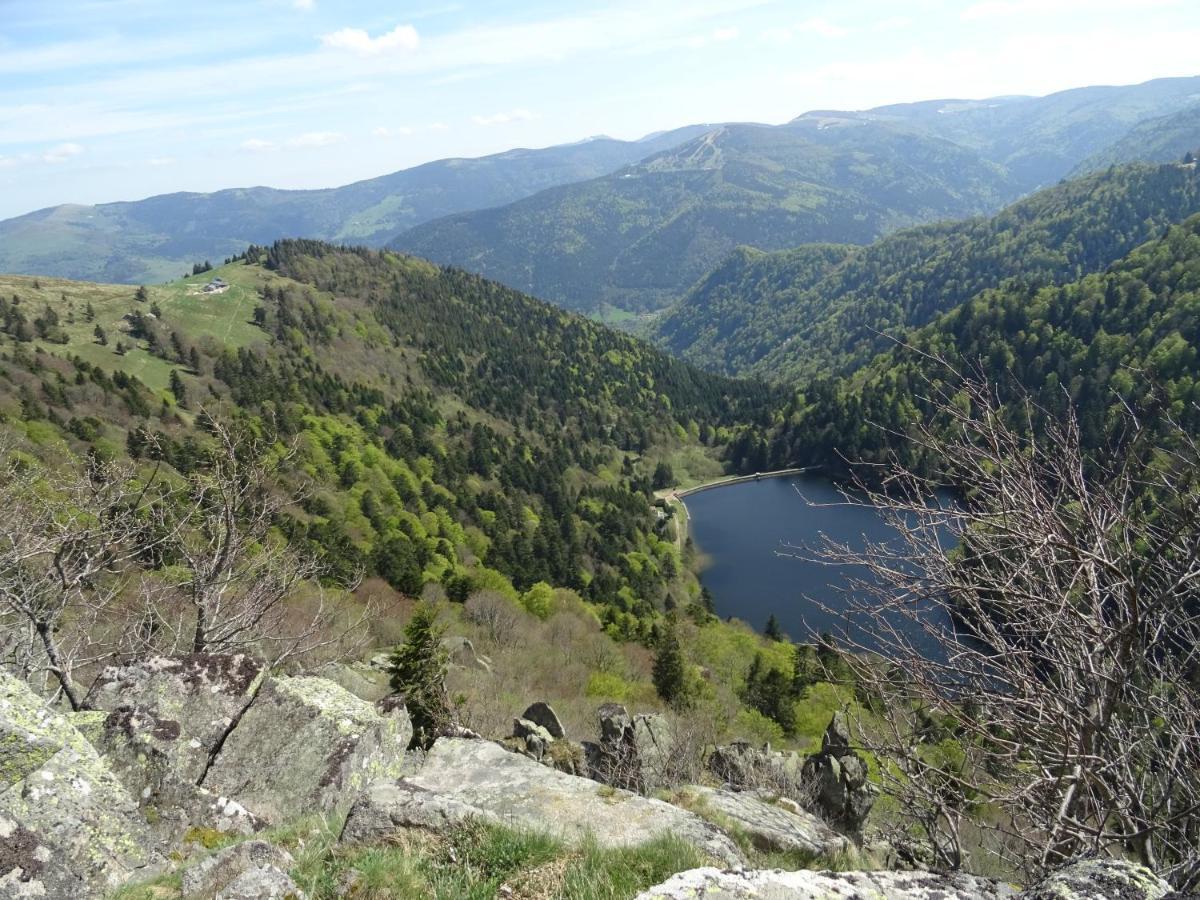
[
  {"x": 305, "y": 744},
  {"x": 518, "y": 791},
  {"x": 744, "y": 767},
  {"x": 165, "y": 720},
  {"x": 634, "y": 752},
  {"x": 538, "y": 733},
  {"x": 770, "y": 827},
  {"x": 543, "y": 714},
  {"x": 68, "y": 826},
  {"x": 836, "y": 780},
  {"x": 1100, "y": 879},
  {"x": 254, "y": 870},
  {"x": 713, "y": 884}
]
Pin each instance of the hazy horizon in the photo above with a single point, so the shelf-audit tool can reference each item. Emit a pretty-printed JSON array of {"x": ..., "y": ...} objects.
[{"x": 120, "y": 100}]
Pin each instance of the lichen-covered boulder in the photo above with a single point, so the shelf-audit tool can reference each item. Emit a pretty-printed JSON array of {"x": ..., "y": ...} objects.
[
  {"x": 1100, "y": 879},
  {"x": 306, "y": 744},
  {"x": 166, "y": 718},
  {"x": 713, "y": 884},
  {"x": 68, "y": 826},
  {"x": 523, "y": 793},
  {"x": 254, "y": 870},
  {"x": 388, "y": 806},
  {"x": 769, "y": 826}
]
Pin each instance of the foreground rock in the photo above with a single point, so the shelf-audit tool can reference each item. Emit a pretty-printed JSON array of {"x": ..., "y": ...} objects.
[
  {"x": 502, "y": 786},
  {"x": 713, "y": 884},
  {"x": 306, "y": 745},
  {"x": 166, "y": 718},
  {"x": 388, "y": 806},
  {"x": 769, "y": 827},
  {"x": 254, "y": 870},
  {"x": 68, "y": 827},
  {"x": 1100, "y": 879}
]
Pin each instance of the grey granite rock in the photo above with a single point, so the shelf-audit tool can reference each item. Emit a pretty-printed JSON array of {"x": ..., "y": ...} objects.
[
  {"x": 388, "y": 806},
  {"x": 514, "y": 789},
  {"x": 1100, "y": 879},
  {"x": 246, "y": 871},
  {"x": 304, "y": 745},
  {"x": 541, "y": 713},
  {"x": 713, "y": 884},
  {"x": 769, "y": 826},
  {"x": 68, "y": 826}
]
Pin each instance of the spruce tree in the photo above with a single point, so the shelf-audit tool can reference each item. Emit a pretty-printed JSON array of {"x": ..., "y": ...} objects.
[
  {"x": 418, "y": 673},
  {"x": 670, "y": 674},
  {"x": 773, "y": 631}
]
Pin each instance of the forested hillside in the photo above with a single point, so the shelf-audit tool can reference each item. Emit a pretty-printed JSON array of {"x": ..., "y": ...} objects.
[
  {"x": 158, "y": 238},
  {"x": 634, "y": 240},
  {"x": 1126, "y": 337},
  {"x": 454, "y": 432},
  {"x": 818, "y": 311},
  {"x": 1162, "y": 139}
]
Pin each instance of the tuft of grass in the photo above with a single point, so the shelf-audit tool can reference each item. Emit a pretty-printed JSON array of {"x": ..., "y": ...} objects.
[{"x": 620, "y": 873}]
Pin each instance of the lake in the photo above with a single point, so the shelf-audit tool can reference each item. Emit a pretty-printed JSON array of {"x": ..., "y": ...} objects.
[{"x": 741, "y": 527}]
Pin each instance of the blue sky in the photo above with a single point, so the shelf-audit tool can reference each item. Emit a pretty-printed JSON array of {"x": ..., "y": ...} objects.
[{"x": 120, "y": 99}]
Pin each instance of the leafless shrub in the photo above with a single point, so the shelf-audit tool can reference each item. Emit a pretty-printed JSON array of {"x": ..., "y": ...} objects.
[
  {"x": 1064, "y": 700},
  {"x": 242, "y": 581},
  {"x": 63, "y": 552},
  {"x": 499, "y": 618}
]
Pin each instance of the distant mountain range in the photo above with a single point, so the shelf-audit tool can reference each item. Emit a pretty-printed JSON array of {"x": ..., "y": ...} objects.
[
  {"x": 623, "y": 228},
  {"x": 156, "y": 239},
  {"x": 636, "y": 239}
]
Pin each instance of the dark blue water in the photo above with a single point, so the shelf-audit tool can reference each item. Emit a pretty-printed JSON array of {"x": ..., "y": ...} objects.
[{"x": 741, "y": 529}]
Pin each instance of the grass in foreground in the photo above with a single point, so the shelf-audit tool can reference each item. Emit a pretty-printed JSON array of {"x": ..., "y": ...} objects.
[{"x": 470, "y": 863}]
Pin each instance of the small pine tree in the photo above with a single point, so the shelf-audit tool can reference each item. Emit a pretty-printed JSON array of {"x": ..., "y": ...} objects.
[
  {"x": 90, "y": 313},
  {"x": 141, "y": 295},
  {"x": 178, "y": 388},
  {"x": 101, "y": 337},
  {"x": 418, "y": 673},
  {"x": 773, "y": 631},
  {"x": 670, "y": 673}
]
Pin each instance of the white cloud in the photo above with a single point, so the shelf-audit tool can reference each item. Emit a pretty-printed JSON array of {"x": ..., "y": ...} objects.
[
  {"x": 401, "y": 131},
  {"x": 725, "y": 34},
  {"x": 256, "y": 145},
  {"x": 316, "y": 139},
  {"x": 817, "y": 25},
  {"x": 892, "y": 23},
  {"x": 7, "y": 161},
  {"x": 304, "y": 4},
  {"x": 402, "y": 38},
  {"x": 160, "y": 161},
  {"x": 61, "y": 153},
  {"x": 504, "y": 118},
  {"x": 439, "y": 126}
]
